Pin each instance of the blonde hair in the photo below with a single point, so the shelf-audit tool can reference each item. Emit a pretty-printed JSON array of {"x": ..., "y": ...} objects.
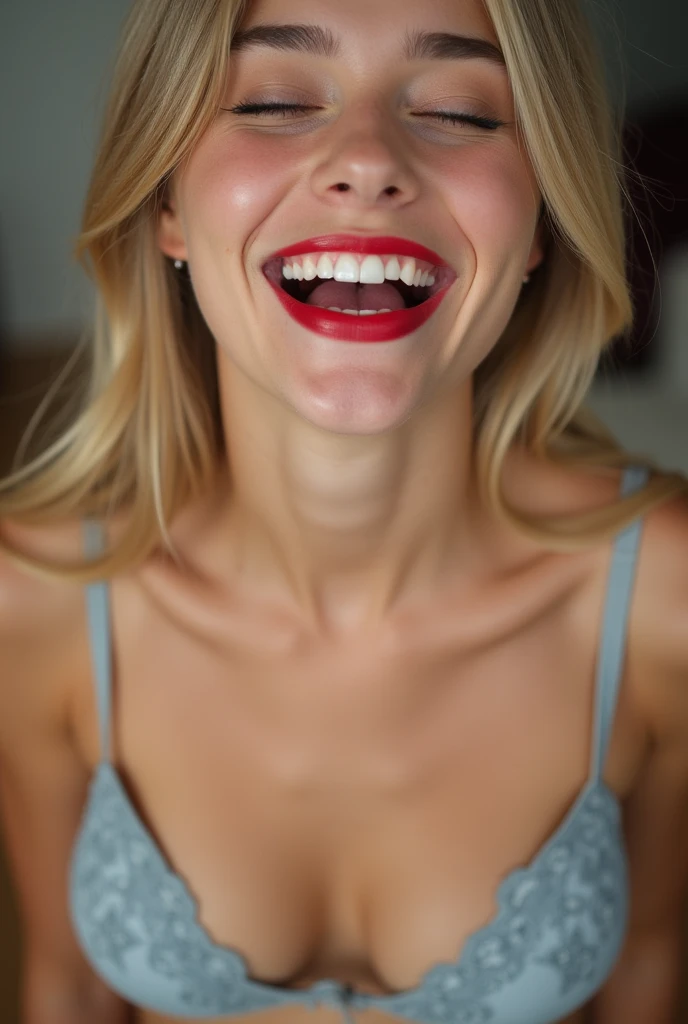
[{"x": 147, "y": 436}]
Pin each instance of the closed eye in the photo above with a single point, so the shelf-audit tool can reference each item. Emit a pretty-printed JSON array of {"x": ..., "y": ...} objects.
[
  {"x": 285, "y": 109},
  {"x": 480, "y": 122}
]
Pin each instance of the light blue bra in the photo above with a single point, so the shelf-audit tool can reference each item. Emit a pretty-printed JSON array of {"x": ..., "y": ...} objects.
[{"x": 556, "y": 936}]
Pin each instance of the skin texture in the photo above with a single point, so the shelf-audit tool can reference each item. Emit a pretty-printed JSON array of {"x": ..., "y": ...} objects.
[
  {"x": 352, "y": 488},
  {"x": 352, "y": 648}
]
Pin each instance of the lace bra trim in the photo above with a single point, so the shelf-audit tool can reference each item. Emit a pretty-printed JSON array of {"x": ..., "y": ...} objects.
[{"x": 117, "y": 844}]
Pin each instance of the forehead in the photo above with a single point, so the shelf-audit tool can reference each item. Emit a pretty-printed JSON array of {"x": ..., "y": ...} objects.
[{"x": 378, "y": 27}]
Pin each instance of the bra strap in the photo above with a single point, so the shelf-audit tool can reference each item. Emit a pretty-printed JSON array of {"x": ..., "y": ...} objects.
[
  {"x": 98, "y": 611},
  {"x": 615, "y": 623}
]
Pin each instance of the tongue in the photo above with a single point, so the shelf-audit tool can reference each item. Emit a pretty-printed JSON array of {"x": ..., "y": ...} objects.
[{"x": 356, "y": 296}]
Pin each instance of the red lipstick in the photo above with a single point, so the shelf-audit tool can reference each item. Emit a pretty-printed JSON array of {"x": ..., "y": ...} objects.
[{"x": 345, "y": 326}]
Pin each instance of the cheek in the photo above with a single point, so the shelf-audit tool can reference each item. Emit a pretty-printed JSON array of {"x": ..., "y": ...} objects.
[
  {"x": 492, "y": 199},
  {"x": 230, "y": 190}
]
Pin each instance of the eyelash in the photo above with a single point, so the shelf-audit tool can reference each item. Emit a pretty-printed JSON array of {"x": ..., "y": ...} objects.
[{"x": 257, "y": 109}]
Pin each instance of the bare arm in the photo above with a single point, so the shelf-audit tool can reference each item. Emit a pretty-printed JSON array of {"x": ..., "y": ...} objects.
[
  {"x": 649, "y": 981},
  {"x": 51, "y": 999},
  {"x": 43, "y": 784},
  {"x": 649, "y": 984},
  {"x": 57, "y": 986}
]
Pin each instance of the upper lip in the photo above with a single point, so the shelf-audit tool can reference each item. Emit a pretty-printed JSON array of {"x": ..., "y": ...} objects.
[{"x": 379, "y": 245}]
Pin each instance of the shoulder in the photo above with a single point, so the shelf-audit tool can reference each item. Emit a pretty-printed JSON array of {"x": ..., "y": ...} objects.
[
  {"x": 44, "y": 777},
  {"x": 657, "y": 639},
  {"x": 27, "y": 599},
  {"x": 656, "y": 812},
  {"x": 661, "y": 597},
  {"x": 656, "y": 678},
  {"x": 42, "y": 625}
]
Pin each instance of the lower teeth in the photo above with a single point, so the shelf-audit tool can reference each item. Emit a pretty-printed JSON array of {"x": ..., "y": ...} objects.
[{"x": 359, "y": 312}]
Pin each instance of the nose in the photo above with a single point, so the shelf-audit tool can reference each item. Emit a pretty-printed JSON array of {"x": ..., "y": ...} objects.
[{"x": 364, "y": 166}]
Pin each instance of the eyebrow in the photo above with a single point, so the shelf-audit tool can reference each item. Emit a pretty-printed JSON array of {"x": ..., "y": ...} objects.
[{"x": 320, "y": 42}]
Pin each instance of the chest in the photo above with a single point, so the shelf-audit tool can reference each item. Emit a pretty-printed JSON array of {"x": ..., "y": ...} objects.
[{"x": 348, "y": 814}]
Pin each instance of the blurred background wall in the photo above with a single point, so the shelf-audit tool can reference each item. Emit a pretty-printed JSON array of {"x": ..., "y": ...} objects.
[{"x": 55, "y": 64}]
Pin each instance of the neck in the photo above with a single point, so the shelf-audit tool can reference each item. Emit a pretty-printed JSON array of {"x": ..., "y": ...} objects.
[{"x": 345, "y": 529}]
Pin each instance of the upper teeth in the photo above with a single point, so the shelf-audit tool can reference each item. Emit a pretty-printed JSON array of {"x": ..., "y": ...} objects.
[{"x": 366, "y": 270}]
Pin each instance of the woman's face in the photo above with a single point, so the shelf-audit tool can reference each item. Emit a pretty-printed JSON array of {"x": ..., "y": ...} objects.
[{"x": 257, "y": 183}]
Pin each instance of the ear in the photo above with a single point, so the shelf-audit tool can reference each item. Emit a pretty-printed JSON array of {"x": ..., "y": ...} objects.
[{"x": 170, "y": 233}]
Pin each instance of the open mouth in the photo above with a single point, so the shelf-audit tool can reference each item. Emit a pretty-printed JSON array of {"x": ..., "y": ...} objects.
[{"x": 300, "y": 291}]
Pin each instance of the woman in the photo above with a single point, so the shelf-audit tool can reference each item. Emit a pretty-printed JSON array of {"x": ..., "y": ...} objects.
[{"x": 324, "y": 689}]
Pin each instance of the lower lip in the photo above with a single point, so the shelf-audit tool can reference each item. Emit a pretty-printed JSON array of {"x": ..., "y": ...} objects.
[{"x": 346, "y": 327}]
